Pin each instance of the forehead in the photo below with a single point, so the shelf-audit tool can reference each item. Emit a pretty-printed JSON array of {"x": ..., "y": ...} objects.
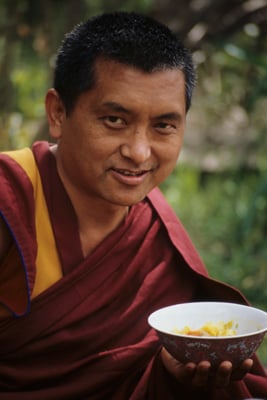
[
  {"x": 114, "y": 80},
  {"x": 110, "y": 69}
]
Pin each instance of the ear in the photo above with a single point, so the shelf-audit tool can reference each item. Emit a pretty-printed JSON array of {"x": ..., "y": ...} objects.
[{"x": 55, "y": 113}]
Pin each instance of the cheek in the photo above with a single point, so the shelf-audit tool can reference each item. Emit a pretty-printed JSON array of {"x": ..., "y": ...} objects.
[
  {"x": 168, "y": 163},
  {"x": 171, "y": 154}
]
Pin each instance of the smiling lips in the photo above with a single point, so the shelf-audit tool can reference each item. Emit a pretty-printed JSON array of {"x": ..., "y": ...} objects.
[
  {"x": 130, "y": 177},
  {"x": 130, "y": 173}
]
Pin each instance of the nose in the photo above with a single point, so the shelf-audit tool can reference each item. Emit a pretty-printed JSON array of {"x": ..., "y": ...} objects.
[{"x": 137, "y": 147}]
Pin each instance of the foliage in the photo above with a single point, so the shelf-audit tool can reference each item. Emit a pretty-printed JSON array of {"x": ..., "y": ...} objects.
[
  {"x": 219, "y": 188},
  {"x": 226, "y": 217},
  {"x": 30, "y": 33},
  {"x": 227, "y": 125}
]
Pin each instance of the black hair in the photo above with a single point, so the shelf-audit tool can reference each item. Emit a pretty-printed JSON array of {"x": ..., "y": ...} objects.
[{"x": 129, "y": 38}]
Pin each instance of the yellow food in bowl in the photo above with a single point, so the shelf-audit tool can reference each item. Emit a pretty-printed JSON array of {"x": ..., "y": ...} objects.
[{"x": 209, "y": 329}]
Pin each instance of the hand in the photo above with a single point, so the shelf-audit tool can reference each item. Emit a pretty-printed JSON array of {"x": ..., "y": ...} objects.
[{"x": 199, "y": 375}]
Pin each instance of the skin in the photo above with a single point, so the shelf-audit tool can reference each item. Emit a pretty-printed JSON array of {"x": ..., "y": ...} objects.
[
  {"x": 201, "y": 375},
  {"x": 122, "y": 139}
]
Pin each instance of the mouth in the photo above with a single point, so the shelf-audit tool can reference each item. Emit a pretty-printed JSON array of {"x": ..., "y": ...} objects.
[
  {"x": 126, "y": 172},
  {"x": 130, "y": 177}
]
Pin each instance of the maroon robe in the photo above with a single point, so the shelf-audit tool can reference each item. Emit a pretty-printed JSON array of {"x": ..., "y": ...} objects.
[{"x": 87, "y": 336}]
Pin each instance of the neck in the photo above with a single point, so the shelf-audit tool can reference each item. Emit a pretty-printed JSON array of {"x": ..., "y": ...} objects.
[
  {"x": 96, "y": 217},
  {"x": 94, "y": 227}
]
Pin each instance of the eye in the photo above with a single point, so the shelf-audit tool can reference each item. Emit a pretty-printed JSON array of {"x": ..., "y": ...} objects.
[
  {"x": 114, "y": 121},
  {"x": 164, "y": 125},
  {"x": 165, "y": 128}
]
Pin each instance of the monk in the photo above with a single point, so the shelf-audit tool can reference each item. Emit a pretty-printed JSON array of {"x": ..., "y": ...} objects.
[{"x": 88, "y": 245}]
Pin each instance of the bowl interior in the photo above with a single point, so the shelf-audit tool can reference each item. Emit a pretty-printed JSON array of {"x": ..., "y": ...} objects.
[{"x": 246, "y": 320}]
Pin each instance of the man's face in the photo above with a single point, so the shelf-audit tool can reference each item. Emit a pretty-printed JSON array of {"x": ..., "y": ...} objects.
[{"x": 124, "y": 136}]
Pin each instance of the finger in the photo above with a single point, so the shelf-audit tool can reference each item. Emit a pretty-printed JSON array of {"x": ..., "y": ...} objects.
[
  {"x": 247, "y": 365},
  {"x": 202, "y": 373},
  {"x": 242, "y": 370},
  {"x": 223, "y": 374},
  {"x": 189, "y": 371},
  {"x": 183, "y": 373}
]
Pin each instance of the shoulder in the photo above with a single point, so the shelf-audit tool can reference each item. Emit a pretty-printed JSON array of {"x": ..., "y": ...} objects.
[{"x": 164, "y": 210}]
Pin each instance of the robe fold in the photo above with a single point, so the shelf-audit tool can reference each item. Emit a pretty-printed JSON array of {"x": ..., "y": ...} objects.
[{"x": 78, "y": 328}]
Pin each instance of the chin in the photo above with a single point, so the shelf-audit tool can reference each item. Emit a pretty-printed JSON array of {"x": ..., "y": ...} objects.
[{"x": 130, "y": 201}]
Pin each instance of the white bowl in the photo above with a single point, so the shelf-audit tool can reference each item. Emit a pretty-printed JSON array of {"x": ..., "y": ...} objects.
[{"x": 250, "y": 324}]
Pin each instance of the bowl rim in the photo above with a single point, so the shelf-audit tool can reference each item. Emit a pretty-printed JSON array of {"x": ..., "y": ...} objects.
[{"x": 205, "y": 337}]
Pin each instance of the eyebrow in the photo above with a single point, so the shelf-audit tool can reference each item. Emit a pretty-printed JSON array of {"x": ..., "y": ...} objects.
[
  {"x": 116, "y": 107},
  {"x": 172, "y": 116}
]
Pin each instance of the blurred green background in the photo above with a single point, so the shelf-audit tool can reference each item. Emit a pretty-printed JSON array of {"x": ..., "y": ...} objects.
[{"x": 219, "y": 188}]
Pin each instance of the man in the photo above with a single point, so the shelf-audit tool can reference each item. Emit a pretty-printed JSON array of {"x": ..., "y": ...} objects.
[{"x": 89, "y": 247}]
